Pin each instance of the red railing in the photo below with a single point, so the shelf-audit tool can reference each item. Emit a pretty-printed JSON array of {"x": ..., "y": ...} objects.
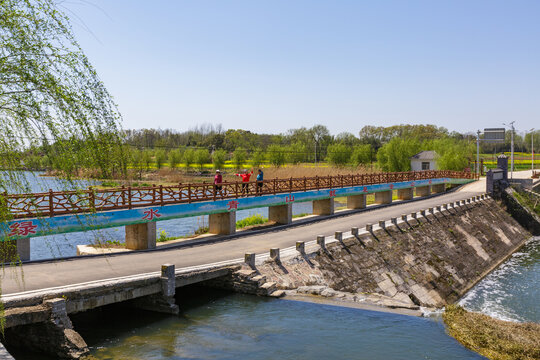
[{"x": 55, "y": 203}]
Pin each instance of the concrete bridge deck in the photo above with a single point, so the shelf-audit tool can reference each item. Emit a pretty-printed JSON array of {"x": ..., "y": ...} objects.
[{"x": 58, "y": 273}]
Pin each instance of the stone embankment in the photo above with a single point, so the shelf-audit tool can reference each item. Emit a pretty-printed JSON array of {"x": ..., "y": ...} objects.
[{"x": 426, "y": 259}]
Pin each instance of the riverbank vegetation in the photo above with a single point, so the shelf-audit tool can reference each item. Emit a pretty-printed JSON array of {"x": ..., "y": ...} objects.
[{"x": 492, "y": 338}]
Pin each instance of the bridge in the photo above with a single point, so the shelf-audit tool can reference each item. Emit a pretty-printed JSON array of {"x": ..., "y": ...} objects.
[{"x": 139, "y": 208}]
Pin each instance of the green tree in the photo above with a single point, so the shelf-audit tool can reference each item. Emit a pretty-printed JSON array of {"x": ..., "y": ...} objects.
[
  {"x": 160, "y": 158},
  {"x": 202, "y": 156},
  {"x": 452, "y": 154},
  {"x": 51, "y": 95},
  {"x": 361, "y": 154},
  {"x": 174, "y": 158},
  {"x": 218, "y": 158},
  {"x": 257, "y": 158},
  {"x": 296, "y": 153},
  {"x": 395, "y": 155},
  {"x": 339, "y": 154},
  {"x": 239, "y": 158},
  {"x": 189, "y": 158},
  {"x": 147, "y": 159},
  {"x": 276, "y": 155}
]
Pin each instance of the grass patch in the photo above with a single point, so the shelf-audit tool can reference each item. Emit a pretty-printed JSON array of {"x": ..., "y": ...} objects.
[
  {"x": 300, "y": 215},
  {"x": 256, "y": 219},
  {"x": 529, "y": 201},
  {"x": 492, "y": 338}
]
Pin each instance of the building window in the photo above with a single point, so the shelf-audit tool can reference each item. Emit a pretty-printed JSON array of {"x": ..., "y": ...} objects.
[{"x": 425, "y": 165}]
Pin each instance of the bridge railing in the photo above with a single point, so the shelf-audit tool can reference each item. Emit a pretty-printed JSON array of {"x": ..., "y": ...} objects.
[{"x": 54, "y": 203}]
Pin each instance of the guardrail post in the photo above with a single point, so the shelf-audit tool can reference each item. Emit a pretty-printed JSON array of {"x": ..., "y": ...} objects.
[
  {"x": 51, "y": 203},
  {"x": 161, "y": 194}
]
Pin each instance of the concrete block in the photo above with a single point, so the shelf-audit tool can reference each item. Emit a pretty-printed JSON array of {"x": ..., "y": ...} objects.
[
  {"x": 382, "y": 224},
  {"x": 423, "y": 213},
  {"x": 14, "y": 250},
  {"x": 369, "y": 227},
  {"x": 436, "y": 189},
  {"x": 404, "y": 217},
  {"x": 413, "y": 215},
  {"x": 405, "y": 194},
  {"x": 438, "y": 208},
  {"x": 280, "y": 214},
  {"x": 383, "y": 197},
  {"x": 393, "y": 220},
  {"x": 321, "y": 240},
  {"x": 430, "y": 210},
  {"x": 356, "y": 201},
  {"x": 323, "y": 207},
  {"x": 301, "y": 247},
  {"x": 423, "y": 191},
  {"x": 141, "y": 236},
  {"x": 249, "y": 259},
  {"x": 338, "y": 235},
  {"x": 274, "y": 254},
  {"x": 222, "y": 223},
  {"x": 168, "y": 280}
]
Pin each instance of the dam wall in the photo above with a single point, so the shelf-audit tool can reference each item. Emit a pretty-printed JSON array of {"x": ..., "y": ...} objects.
[{"x": 427, "y": 259}]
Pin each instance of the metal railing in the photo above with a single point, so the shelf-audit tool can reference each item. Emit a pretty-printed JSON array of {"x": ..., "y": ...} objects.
[{"x": 54, "y": 203}]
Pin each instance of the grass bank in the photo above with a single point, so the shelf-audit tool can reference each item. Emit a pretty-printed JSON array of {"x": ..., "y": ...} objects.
[{"x": 492, "y": 338}]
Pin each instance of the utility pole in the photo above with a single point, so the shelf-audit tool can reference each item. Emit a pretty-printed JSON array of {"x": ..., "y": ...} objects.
[
  {"x": 511, "y": 125},
  {"x": 478, "y": 152},
  {"x": 532, "y": 150}
]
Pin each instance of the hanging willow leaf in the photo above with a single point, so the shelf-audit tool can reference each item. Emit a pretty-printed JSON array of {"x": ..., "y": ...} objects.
[{"x": 50, "y": 95}]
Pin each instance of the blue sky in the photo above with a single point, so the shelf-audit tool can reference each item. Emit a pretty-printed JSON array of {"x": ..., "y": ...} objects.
[{"x": 268, "y": 66}]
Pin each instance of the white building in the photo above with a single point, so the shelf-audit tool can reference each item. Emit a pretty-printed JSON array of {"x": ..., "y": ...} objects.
[{"x": 424, "y": 160}]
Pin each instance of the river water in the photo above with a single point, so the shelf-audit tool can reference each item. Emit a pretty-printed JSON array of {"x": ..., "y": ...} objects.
[{"x": 219, "y": 325}]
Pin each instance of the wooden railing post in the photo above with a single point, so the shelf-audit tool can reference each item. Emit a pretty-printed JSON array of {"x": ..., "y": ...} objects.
[
  {"x": 317, "y": 181},
  {"x": 290, "y": 185},
  {"x": 305, "y": 184},
  {"x": 51, "y": 203},
  {"x": 153, "y": 194},
  {"x": 274, "y": 186},
  {"x": 189, "y": 192},
  {"x": 123, "y": 195},
  {"x": 91, "y": 199},
  {"x": 161, "y": 194},
  {"x": 129, "y": 197}
]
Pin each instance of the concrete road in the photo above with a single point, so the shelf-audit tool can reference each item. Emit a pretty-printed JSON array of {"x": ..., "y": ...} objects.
[{"x": 34, "y": 276}]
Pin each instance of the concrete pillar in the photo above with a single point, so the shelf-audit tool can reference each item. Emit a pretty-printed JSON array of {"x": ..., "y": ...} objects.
[
  {"x": 383, "y": 197},
  {"x": 301, "y": 247},
  {"x": 163, "y": 301},
  {"x": 249, "y": 259},
  {"x": 12, "y": 251},
  {"x": 321, "y": 240},
  {"x": 405, "y": 194},
  {"x": 439, "y": 188},
  {"x": 423, "y": 191},
  {"x": 356, "y": 201},
  {"x": 274, "y": 254},
  {"x": 222, "y": 223},
  {"x": 141, "y": 236},
  {"x": 280, "y": 214},
  {"x": 323, "y": 207}
]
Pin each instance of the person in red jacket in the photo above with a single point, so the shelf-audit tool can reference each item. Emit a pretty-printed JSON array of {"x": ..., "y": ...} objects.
[
  {"x": 218, "y": 179},
  {"x": 245, "y": 180}
]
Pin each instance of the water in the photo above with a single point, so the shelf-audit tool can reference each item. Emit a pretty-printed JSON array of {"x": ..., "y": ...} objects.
[
  {"x": 511, "y": 292},
  {"x": 63, "y": 245},
  {"x": 233, "y": 326}
]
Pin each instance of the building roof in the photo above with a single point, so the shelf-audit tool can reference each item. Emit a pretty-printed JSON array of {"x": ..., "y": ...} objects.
[{"x": 425, "y": 155}]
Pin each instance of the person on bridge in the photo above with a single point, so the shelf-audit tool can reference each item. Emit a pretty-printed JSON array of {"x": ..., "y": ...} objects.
[
  {"x": 245, "y": 181},
  {"x": 218, "y": 179},
  {"x": 260, "y": 178}
]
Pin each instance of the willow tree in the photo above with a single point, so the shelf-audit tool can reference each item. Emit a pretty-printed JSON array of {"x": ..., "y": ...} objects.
[{"x": 50, "y": 95}]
